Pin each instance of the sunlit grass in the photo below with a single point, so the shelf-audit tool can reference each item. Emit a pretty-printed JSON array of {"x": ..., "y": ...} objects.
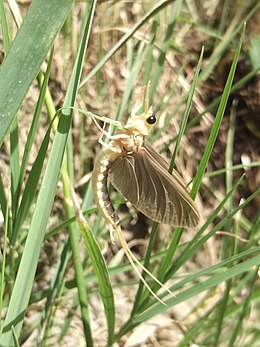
[{"x": 61, "y": 264}]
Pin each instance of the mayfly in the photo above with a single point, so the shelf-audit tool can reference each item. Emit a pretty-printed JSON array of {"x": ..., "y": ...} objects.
[{"x": 141, "y": 175}]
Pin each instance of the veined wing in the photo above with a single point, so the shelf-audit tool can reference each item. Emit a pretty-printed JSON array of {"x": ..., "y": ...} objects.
[
  {"x": 160, "y": 160},
  {"x": 142, "y": 180}
]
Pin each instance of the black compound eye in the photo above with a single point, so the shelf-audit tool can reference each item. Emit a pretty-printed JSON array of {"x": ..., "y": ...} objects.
[{"x": 151, "y": 119}]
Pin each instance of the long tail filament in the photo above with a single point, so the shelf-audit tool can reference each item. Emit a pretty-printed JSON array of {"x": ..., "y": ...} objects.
[{"x": 133, "y": 260}]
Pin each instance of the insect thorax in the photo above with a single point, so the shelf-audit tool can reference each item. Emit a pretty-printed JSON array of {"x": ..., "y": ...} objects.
[{"x": 130, "y": 141}]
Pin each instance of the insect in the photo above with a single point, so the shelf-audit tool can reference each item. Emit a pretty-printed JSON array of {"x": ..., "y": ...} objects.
[{"x": 141, "y": 175}]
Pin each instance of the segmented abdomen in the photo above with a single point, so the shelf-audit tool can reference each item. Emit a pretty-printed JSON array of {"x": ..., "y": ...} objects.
[{"x": 99, "y": 186}]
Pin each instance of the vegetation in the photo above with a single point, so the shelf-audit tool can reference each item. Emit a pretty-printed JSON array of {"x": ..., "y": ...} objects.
[{"x": 62, "y": 281}]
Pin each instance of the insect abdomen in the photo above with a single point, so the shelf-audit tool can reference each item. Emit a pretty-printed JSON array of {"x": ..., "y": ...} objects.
[{"x": 99, "y": 183}]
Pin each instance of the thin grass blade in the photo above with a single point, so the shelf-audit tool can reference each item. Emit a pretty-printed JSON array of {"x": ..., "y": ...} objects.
[
  {"x": 105, "y": 287},
  {"x": 218, "y": 120},
  {"x": 175, "y": 13},
  {"x": 217, "y": 275},
  {"x": 199, "y": 288},
  {"x": 197, "y": 240},
  {"x": 67, "y": 181},
  {"x": 36, "y": 117},
  {"x": 245, "y": 309},
  {"x": 31, "y": 186},
  {"x": 126, "y": 37}
]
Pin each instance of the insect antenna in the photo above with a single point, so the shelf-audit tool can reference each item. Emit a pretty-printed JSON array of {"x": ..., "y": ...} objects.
[
  {"x": 146, "y": 97},
  {"x": 133, "y": 260}
]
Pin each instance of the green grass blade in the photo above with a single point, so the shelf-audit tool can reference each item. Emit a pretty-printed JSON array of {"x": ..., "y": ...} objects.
[
  {"x": 78, "y": 266},
  {"x": 36, "y": 117},
  {"x": 31, "y": 186},
  {"x": 14, "y": 164},
  {"x": 4, "y": 27},
  {"x": 217, "y": 275},
  {"x": 67, "y": 168},
  {"x": 217, "y": 122},
  {"x": 137, "y": 64},
  {"x": 229, "y": 173},
  {"x": 3, "y": 200},
  {"x": 105, "y": 287},
  {"x": 227, "y": 244},
  {"x": 199, "y": 288},
  {"x": 2, "y": 287},
  {"x": 224, "y": 43},
  {"x": 254, "y": 52},
  {"x": 36, "y": 35},
  {"x": 214, "y": 269},
  {"x": 53, "y": 292},
  {"x": 194, "y": 245},
  {"x": 16, "y": 342},
  {"x": 232, "y": 168},
  {"x": 24, "y": 280},
  {"x": 187, "y": 111},
  {"x": 126, "y": 37},
  {"x": 149, "y": 55},
  {"x": 175, "y": 13},
  {"x": 245, "y": 309}
]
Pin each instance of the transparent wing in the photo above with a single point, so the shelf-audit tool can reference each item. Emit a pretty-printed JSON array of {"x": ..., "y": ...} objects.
[{"x": 146, "y": 183}]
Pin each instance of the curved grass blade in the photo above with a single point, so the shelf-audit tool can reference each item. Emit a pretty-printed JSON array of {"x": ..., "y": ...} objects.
[
  {"x": 175, "y": 13},
  {"x": 244, "y": 311},
  {"x": 212, "y": 271},
  {"x": 232, "y": 168},
  {"x": 199, "y": 242},
  {"x": 199, "y": 288},
  {"x": 100, "y": 267},
  {"x": 187, "y": 111},
  {"x": 125, "y": 38},
  {"x": 225, "y": 42},
  {"x": 236, "y": 86},
  {"x": 218, "y": 120}
]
